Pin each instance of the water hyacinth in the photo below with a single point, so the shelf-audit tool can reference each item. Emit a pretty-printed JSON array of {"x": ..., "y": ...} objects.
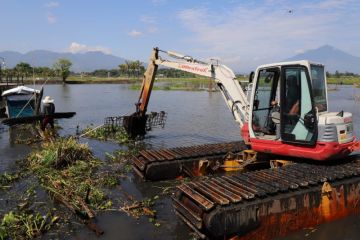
[
  {"x": 6, "y": 179},
  {"x": 66, "y": 169},
  {"x": 103, "y": 133},
  {"x": 61, "y": 153},
  {"x": 25, "y": 225}
]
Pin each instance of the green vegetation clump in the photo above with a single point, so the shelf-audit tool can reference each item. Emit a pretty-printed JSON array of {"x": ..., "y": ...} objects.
[
  {"x": 138, "y": 209},
  {"x": 6, "y": 179},
  {"x": 103, "y": 133},
  {"x": 25, "y": 225},
  {"x": 66, "y": 169},
  {"x": 61, "y": 153},
  {"x": 29, "y": 219}
]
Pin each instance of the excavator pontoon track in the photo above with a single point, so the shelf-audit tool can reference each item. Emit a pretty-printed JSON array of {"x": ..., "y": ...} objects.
[
  {"x": 272, "y": 201},
  {"x": 171, "y": 163}
]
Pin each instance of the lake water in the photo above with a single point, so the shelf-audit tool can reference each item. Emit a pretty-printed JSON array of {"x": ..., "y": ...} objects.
[{"x": 193, "y": 118}]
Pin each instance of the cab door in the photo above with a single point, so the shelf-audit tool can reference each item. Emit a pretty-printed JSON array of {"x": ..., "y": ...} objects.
[
  {"x": 265, "y": 94},
  {"x": 298, "y": 116}
]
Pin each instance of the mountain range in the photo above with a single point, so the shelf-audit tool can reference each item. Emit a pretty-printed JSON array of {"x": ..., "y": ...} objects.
[
  {"x": 333, "y": 58},
  {"x": 82, "y": 62}
]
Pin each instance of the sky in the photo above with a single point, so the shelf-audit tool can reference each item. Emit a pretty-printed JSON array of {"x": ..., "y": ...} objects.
[{"x": 240, "y": 34}]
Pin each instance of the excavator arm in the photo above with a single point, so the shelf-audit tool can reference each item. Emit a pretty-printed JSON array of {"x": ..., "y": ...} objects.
[
  {"x": 147, "y": 84},
  {"x": 223, "y": 76}
]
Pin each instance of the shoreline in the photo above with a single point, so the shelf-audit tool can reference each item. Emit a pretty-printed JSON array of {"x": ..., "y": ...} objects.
[
  {"x": 110, "y": 81},
  {"x": 75, "y": 80}
]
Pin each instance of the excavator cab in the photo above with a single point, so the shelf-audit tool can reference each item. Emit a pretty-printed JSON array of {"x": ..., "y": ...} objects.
[
  {"x": 284, "y": 107},
  {"x": 289, "y": 114}
]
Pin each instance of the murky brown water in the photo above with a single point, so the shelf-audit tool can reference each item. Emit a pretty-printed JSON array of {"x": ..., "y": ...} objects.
[{"x": 193, "y": 118}]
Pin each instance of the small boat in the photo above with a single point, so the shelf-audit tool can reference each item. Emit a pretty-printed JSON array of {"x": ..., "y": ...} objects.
[
  {"x": 23, "y": 104},
  {"x": 22, "y": 101},
  {"x": 4, "y": 87}
]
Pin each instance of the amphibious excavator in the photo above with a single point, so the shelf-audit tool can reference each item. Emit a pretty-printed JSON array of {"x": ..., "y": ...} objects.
[{"x": 282, "y": 112}]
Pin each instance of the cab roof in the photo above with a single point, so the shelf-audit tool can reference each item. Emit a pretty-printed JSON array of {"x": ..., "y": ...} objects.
[{"x": 280, "y": 64}]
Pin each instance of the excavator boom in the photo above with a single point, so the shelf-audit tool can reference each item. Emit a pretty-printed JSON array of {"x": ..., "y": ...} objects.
[{"x": 233, "y": 93}]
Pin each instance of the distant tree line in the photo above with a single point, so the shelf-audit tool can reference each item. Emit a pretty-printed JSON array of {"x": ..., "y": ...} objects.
[
  {"x": 174, "y": 73},
  {"x": 61, "y": 69},
  {"x": 338, "y": 74},
  {"x": 23, "y": 70},
  {"x": 135, "y": 69},
  {"x": 132, "y": 68}
]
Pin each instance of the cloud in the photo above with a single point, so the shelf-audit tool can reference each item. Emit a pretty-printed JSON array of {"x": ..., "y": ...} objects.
[
  {"x": 265, "y": 30},
  {"x": 158, "y": 2},
  {"x": 51, "y": 18},
  {"x": 52, "y": 4},
  {"x": 147, "y": 19},
  {"x": 135, "y": 33},
  {"x": 152, "y": 29},
  {"x": 328, "y": 4},
  {"x": 82, "y": 48},
  {"x": 150, "y": 25}
]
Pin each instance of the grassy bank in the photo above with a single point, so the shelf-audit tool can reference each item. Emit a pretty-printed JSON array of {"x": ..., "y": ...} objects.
[
  {"x": 85, "y": 80},
  {"x": 100, "y": 80},
  {"x": 173, "y": 82},
  {"x": 173, "y": 86},
  {"x": 344, "y": 80}
]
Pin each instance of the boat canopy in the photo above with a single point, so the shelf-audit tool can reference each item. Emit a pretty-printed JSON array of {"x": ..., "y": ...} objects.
[{"x": 19, "y": 90}]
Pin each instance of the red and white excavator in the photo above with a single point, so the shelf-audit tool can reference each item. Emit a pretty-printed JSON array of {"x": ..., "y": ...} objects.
[{"x": 283, "y": 110}]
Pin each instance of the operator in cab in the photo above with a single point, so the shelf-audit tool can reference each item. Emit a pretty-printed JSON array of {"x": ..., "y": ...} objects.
[
  {"x": 48, "y": 110},
  {"x": 292, "y": 95}
]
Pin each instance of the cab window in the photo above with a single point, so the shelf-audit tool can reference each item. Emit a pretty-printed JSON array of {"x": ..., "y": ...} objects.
[
  {"x": 319, "y": 87},
  {"x": 297, "y": 116},
  {"x": 265, "y": 96}
]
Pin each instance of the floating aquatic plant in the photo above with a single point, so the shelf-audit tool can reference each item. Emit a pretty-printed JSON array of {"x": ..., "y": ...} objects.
[
  {"x": 25, "y": 225},
  {"x": 104, "y": 133},
  {"x": 66, "y": 169}
]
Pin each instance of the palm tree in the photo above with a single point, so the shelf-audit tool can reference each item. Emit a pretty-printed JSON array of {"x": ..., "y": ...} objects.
[
  {"x": 129, "y": 67},
  {"x": 9, "y": 74},
  {"x": 46, "y": 72},
  {"x": 123, "y": 68},
  {"x": 137, "y": 67},
  {"x": 6, "y": 74},
  {"x": 23, "y": 69}
]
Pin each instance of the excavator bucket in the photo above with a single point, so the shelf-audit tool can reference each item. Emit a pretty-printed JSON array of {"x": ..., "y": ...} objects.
[{"x": 135, "y": 124}]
